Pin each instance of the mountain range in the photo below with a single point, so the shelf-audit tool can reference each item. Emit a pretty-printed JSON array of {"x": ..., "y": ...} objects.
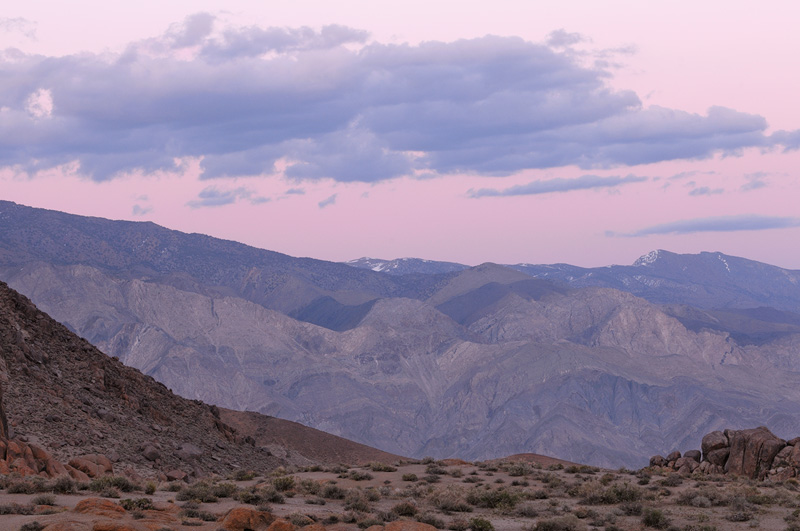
[{"x": 606, "y": 366}]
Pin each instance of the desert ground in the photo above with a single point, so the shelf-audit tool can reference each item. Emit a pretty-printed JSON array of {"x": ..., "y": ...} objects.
[{"x": 457, "y": 495}]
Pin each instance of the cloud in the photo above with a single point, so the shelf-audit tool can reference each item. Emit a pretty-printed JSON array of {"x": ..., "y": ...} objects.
[
  {"x": 340, "y": 107},
  {"x": 705, "y": 190},
  {"x": 211, "y": 196},
  {"x": 717, "y": 224},
  {"x": 19, "y": 25},
  {"x": 755, "y": 181},
  {"x": 139, "y": 210},
  {"x": 562, "y": 38},
  {"x": 327, "y": 202},
  {"x": 295, "y": 191},
  {"x": 584, "y": 182}
]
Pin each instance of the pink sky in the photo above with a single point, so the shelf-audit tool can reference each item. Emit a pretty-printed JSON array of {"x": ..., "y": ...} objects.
[{"x": 684, "y": 57}]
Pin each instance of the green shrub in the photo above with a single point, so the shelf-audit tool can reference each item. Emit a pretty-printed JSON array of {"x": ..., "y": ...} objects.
[
  {"x": 333, "y": 492},
  {"x": 224, "y": 490},
  {"x": 44, "y": 499},
  {"x": 117, "y": 482},
  {"x": 199, "y": 491},
  {"x": 430, "y": 519},
  {"x": 243, "y": 475},
  {"x": 32, "y": 526},
  {"x": 410, "y": 477},
  {"x": 64, "y": 485}
]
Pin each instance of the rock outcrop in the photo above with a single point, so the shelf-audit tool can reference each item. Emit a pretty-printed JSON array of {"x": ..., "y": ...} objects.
[{"x": 755, "y": 453}]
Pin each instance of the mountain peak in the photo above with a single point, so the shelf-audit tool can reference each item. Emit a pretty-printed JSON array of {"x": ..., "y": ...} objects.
[{"x": 649, "y": 258}]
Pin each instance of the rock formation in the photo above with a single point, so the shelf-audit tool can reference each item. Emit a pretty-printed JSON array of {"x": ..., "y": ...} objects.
[{"x": 755, "y": 453}]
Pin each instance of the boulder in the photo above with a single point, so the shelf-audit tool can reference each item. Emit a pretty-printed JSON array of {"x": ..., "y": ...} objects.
[
  {"x": 658, "y": 460},
  {"x": 281, "y": 525},
  {"x": 99, "y": 507},
  {"x": 176, "y": 475},
  {"x": 794, "y": 457},
  {"x": 243, "y": 518},
  {"x": 718, "y": 457},
  {"x": 674, "y": 456},
  {"x": 752, "y": 452},
  {"x": 188, "y": 451},
  {"x": 713, "y": 441},
  {"x": 408, "y": 525},
  {"x": 692, "y": 454},
  {"x": 151, "y": 453},
  {"x": 687, "y": 462}
]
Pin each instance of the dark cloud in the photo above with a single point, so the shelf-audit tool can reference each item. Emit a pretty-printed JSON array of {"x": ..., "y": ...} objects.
[
  {"x": 327, "y": 202},
  {"x": 212, "y": 196},
  {"x": 550, "y": 186},
  {"x": 334, "y": 106},
  {"x": 718, "y": 224}
]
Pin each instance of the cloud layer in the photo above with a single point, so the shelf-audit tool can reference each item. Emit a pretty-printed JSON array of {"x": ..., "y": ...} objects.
[
  {"x": 328, "y": 104},
  {"x": 549, "y": 186},
  {"x": 718, "y": 224}
]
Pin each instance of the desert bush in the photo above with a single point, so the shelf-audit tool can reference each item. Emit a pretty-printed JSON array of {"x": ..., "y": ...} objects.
[
  {"x": 198, "y": 491},
  {"x": 631, "y": 509},
  {"x": 430, "y": 519},
  {"x": 404, "y": 509},
  {"x": 527, "y": 511},
  {"x": 32, "y": 526},
  {"x": 593, "y": 493},
  {"x": 44, "y": 499},
  {"x": 315, "y": 501},
  {"x": 140, "y": 504},
  {"x": 357, "y": 501},
  {"x": 382, "y": 467},
  {"x": 333, "y": 492},
  {"x": 117, "y": 482},
  {"x": 518, "y": 483},
  {"x": 283, "y": 483},
  {"x": 434, "y": 468},
  {"x": 299, "y": 520},
  {"x": 450, "y": 499},
  {"x": 431, "y": 479},
  {"x": 109, "y": 492},
  {"x": 673, "y": 480},
  {"x": 655, "y": 518},
  {"x": 224, "y": 490},
  {"x": 21, "y": 487},
  {"x": 566, "y": 523},
  {"x": 243, "y": 475},
  {"x": 356, "y": 475},
  {"x": 480, "y": 524},
  {"x": 493, "y": 499},
  {"x": 150, "y": 488},
  {"x": 410, "y": 477},
  {"x": 309, "y": 486},
  {"x": 15, "y": 508},
  {"x": 64, "y": 485}
]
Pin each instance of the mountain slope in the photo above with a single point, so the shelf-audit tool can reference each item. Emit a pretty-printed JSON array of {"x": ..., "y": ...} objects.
[{"x": 476, "y": 363}]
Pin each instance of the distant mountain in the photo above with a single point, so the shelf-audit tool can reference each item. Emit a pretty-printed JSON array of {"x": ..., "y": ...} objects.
[
  {"x": 477, "y": 363},
  {"x": 705, "y": 280},
  {"x": 406, "y": 266}
]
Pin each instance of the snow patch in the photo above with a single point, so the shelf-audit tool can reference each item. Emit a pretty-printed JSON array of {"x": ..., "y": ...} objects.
[
  {"x": 724, "y": 262},
  {"x": 647, "y": 259}
]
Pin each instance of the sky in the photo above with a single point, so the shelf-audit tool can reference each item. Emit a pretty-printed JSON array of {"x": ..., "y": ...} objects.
[{"x": 508, "y": 131}]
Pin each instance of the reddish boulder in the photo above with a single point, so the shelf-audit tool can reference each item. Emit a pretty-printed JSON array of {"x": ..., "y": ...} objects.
[
  {"x": 674, "y": 456},
  {"x": 281, "y": 525},
  {"x": 408, "y": 525},
  {"x": 752, "y": 452},
  {"x": 99, "y": 507},
  {"x": 658, "y": 460},
  {"x": 243, "y": 518}
]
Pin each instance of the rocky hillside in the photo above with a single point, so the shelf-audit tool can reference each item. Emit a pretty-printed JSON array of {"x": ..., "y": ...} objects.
[
  {"x": 477, "y": 364},
  {"x": 62, "y": 395}
]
